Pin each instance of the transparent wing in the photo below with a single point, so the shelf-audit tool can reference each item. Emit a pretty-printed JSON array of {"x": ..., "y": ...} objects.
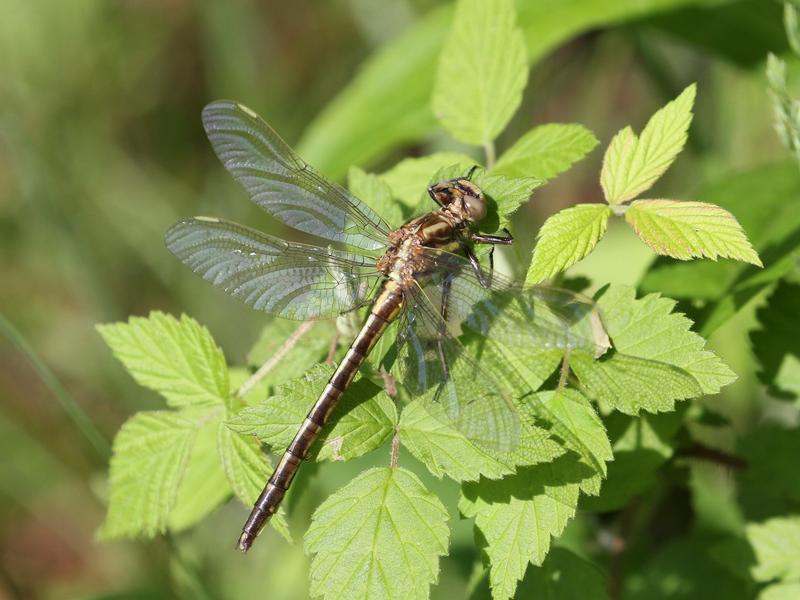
[
  {"x": 533, "y": 317},
  {"x": 290, "y": 280},
  {"x": 282, "y": 184},
  {"x": 435, "y": 366}
]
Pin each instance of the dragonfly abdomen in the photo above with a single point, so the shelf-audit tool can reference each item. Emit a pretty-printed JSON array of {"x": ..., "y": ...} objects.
[{"x": 385, "y": 308}]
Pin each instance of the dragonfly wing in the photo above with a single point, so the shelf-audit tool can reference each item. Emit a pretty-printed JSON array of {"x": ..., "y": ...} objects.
[
  {"x": 278, "y": 180},
  {"x": 534, "y": 317},
  {"x": 435, "y": 366},
  {"x": 290, "y": 280}
]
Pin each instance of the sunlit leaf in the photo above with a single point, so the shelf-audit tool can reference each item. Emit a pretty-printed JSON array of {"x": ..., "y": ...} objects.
[
  {"x": 482, "y": 71},
  {"x": 633, "y": 164},
  {"x": 686, "y": 230},
  {"x": 776, "y": 544},
  {"x": 375, "y": 193},
  {"x": 546, "y": 151},
  {"x": 410, "y": 178},
  {"x": 518, "y": 515},
  {"x": 392, "y": 532},
  {"x": 178, "y": 359},
  {"x": 151, "y": 453},
  {"x": 565, "y": 238}
]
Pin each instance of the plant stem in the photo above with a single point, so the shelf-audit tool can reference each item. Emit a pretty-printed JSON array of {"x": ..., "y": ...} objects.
[
  {"x": 273, "y": 360},
  {"x": 81, "y": 420},
  {"x": 395, "y": 449},
  {"x": 489, "y": 151}
]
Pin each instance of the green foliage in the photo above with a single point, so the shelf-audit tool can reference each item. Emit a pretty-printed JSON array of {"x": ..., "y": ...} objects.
[
  {"x": 633, "y": 164},
  {"x": 776, "y": 544},
  {"x": 594, "y": 430},
  {"x": 391, "y": 530},
  {"x": 775, "y": 343},
  {"x": 482, "y": 71}
]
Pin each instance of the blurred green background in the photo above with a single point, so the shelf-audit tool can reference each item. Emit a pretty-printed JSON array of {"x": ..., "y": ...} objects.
[{"x": 101, "y": 149}]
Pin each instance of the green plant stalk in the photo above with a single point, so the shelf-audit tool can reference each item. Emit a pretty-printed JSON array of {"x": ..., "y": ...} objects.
[{"x": 78, "y": 416}]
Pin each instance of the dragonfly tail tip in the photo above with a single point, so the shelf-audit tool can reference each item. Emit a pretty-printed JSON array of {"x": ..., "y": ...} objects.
[{"x": 245, "y": 541}]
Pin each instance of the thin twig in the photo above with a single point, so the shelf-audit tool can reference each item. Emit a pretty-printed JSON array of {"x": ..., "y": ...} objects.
[
  {"x": 74, "y": 411},
  {"x": 332, "y": 349},
  {"x": 488, "y": 149},
  {"x": 702, "y": 452},
  {"x": 273, "y": 360},
  {"x": 395, "y": 449}
]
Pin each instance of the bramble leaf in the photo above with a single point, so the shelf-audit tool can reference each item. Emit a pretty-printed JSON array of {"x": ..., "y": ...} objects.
[
  {"x": 247, "y": 470},
  {"x": 482, "y": 71},
  {"x": 178, "y": 359},
  {"x": 204, "y": 485},
  {"x": 632, "y": 165},
  {"x": 447, "y": 451},
  {"x": 364, "y": 420},
  {"x": 657, "y": 358},
  {"x": 375, "y": 193},
  {"x": 392, "y": 532},
  {"x": 776, "y": 544},
  {"x": 565, "y": 238},
  {"x": 546, "y": 151},
  {"x": 518, "y": 515},
  {"x": 409, "y": 178},
  {"x": 150, "y": 455},
  {"x": 686, "y": 230}
]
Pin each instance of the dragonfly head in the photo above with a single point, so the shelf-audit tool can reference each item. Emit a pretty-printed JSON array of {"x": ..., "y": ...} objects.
[{"x": 461, "y": 197}]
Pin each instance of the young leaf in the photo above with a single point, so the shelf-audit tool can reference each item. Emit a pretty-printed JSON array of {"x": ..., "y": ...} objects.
[
  {"x": 151, "y": 452},
  {"x": 507, "y": 194},
  {"x": 364, "y": 420},
  {"x": 204, "y": 485},
  {"x": 546, "y": 151},
  {"x": 375, "y": 193},
  {"x": 392, "y": 532},
  {"x": 482, "y": 71},
  {"x": 780, "y": 591},
  {"x": 247, "y": 470},
  {"x": 409, "y": 178},
  {"x": 519, "y": 514},
  {"x": 776, "y": 544},
  {"x": 686, "y": 230},
  {"x": 565, "y": 238},
  {"x": 178, "y": 359},
  {"x": 632, "y": 165}
]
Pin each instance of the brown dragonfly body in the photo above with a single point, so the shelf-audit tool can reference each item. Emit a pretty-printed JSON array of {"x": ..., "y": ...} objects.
[{"x": 403, "y": 264}]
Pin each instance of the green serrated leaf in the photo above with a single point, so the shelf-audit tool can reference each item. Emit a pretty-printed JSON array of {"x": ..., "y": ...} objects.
[
  {"x": 375, "y": 193},
  {"x": 686, "y": 230},
  {"x": 178, "y": 359},
  {"x": 150, "y": 456},
  {"x": 546, "y": 151},
  {"x": 775, "y": 343},
  {"x": 482, "y": 71},
  {"x": 780, "y": 591},
  {"x": 631, "y": 384},
  {"x": 518, "y": 515},
  {"x": 776, "y": 544},
  {"x": 409, "y": 178},
  {"x": 647, "y": 328},
  {"x": 446, "y": 451},
  {"x": 204, "y": 485},
  {"x": 565, "y": 238},
  {"x": 364, "y": 419},
  {"x": 247, "y": 469},
  {"x": 632, "y": 165},
  {"x": 392, "y": 532}
]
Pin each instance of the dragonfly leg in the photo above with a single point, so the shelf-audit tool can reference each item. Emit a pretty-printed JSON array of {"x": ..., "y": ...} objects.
[
  {"x": 494, "y": 240},
  {"x": 446, "y": 284},
  {"x": 484, "y": 279}
]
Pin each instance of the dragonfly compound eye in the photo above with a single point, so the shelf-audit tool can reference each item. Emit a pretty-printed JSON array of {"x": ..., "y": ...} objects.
[{"x": 475, "y": 206}]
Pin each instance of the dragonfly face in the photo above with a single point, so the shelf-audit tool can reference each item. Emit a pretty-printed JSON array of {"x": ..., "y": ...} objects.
[{"x": 422, "y": 275}]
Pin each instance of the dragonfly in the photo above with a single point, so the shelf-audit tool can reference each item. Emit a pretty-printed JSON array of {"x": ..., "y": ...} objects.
[{"x": 423, "y": 276}]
